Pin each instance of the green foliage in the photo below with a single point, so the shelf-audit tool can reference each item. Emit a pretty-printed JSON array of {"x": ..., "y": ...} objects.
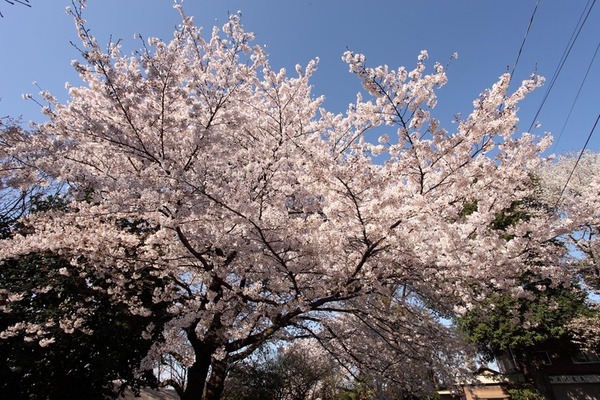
[
  {"x": 524, "y": 392},
  {"x": 41, "y": 202},
  {"x": 36, "y": 202},
  {"x": 517, "y": 211},
  {"x": 83, "y": 361},
  {"x": 538, "y": 316},
  {"x": 107, "y": 346},
  {"x": 347, "y": 395},
  {"x": 468, "y": 208},
  {"x": 510, "y": 217},
  {"x": 535, "y": 320},
  {"x": 246, "y": 382}
]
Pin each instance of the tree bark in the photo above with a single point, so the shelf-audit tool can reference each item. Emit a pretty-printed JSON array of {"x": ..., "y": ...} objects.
[
  {"x": 197, "y": 374},
  {"x": 216, "y": 382},
  {"x": 196, "y": 379}
]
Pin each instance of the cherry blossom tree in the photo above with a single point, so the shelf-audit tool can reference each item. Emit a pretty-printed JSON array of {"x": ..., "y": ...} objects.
[
  {"x": 298, "y": 371},
  {"x": 14, "y": 198},
  {"x": 270, "y": 218},
  {"x": 408, "y": 351},
  {"x": 572, "y": 185}
]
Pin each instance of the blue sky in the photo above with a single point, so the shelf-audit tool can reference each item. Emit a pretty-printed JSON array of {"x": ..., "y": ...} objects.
[{"x": 487, "y": 35}]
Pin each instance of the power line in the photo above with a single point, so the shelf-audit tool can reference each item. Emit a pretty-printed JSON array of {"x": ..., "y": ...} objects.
[
  {"x": 23, "y": 2},
  {"x": 576, "y": 97},
  {"x": 537, "y": 3},
  {"x": 577, "y": 161},
  {"x": 564, "y": 57}
]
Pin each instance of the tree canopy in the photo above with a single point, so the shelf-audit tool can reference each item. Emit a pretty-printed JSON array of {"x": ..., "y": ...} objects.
[
  {"x": 537, "y": 320},
  {"x": 62, "y": 335},
  {"x": 260, "y": 216},
  {"x": 572, "y": 185}
]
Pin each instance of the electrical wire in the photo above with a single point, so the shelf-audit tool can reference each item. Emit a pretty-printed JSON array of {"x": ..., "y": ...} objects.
[
  {"x": 576, "y": 98},
  {"x": 564, "y": 57},
  {"x": 537, "y": 3},
  {"x": 12, "y": 2},
  {"x": 577, "y": 161}
]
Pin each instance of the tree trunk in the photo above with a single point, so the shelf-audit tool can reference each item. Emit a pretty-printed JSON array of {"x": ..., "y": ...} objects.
[
  {"x": 203, "y": 349},
  {"x": 196, "y": 379},
  {"x": 216, "y": 382}
]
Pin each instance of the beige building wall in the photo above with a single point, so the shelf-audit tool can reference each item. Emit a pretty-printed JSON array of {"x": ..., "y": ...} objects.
[{"x": 485, "y": 392}]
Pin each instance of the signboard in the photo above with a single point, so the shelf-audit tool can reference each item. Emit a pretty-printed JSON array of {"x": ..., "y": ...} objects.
[{"x": 554, "y": 379}]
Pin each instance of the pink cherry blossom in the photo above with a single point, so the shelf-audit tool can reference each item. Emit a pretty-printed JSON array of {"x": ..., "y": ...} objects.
[{"x": 270, "y": 217}]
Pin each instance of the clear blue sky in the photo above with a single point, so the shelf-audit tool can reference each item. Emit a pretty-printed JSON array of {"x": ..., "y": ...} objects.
[{"x": 487, "y": 35}]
